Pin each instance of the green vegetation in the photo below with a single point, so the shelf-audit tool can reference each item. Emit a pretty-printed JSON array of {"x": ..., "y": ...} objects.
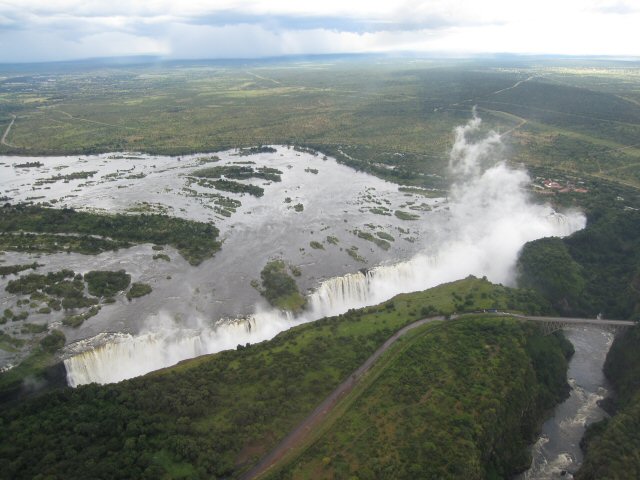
[
  {"x": 386, "y": 236},
  {"x": 70, "y": 293},
  {"x": 210, "y": 159},
  {"x": 402, "y": 215},
  {"x": 65, "y": 289},
  {"x": 15, "y": 269},
  {"x": 32, "y": 372},
  {"x": 316, "y": 245},
  {"x": 66, "y": 178},
  {"x": 295, "y": 270},
  {"x": 253, "y": 150},
  {"x": 138, "y": 290},
  {"x": 34, "y": 282},
  {"x": 578, "y": 119},
  {"x": 298, "y": 207},
  {"x": 20, "y": 316},
  {"x": 9, "y": 343},
  {"x": 147, "y": 207},
  {"x": 224, "y": 205},
  {"x": 547, "y": 266},
  {"x": 216, "y": 415},
  {"x": 162, "y": 256},
  {"x": 612, "y": 445},
  {"x": 380, "y": 211},
  {"x": 423, "y": 192},
  {"x": 237, "y": 187},
  {"x": 239, "y": 172},
  {"x": 105, "y": 283},
  {"x": 46, "y": 243},
  {"x": 76, "y": 320},
  {"x": 33, "y": 328},
  {"x": 279, "y": 288},
  {"x": 593, "y": 271},
  {"x": 28, "y": 165},
  {"x": 196, "y": 241},
  {"x": 461, "y": 400},
  {"x": 332, "y": 240},
  {"x": 383, "y": 244},
  {"x": 352, "y": 251},
  {"x": 53, "y": 342}
]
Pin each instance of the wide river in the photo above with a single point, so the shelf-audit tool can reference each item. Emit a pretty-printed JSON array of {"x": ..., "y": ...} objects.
[{"x": 476, "y": 228}]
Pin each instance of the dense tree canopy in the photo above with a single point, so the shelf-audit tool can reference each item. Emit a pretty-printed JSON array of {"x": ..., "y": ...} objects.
[{"x": 546, "y": 265}]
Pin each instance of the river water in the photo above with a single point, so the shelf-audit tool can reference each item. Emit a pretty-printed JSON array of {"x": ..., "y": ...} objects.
[
  {"x": 337, "y": 201},
  {"x": 557, "y": 454},
  {"x": 477, "y": 228}
]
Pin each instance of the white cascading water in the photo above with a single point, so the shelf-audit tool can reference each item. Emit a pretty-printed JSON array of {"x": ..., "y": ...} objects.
[
  {"x": 490, "y": 218},
  {"x": 125, "y": 356}
]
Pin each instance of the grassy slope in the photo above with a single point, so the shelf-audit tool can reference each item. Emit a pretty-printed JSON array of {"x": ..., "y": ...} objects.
[
  {"x": 216, "y": 415},
  {"x": 460, "y": 401}
]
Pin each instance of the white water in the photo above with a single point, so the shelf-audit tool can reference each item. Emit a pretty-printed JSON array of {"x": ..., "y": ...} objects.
[
  {"x": 125, "y": 356},
  {"x": 557, "y": 453},
  {"x": 490, "y": 219}
]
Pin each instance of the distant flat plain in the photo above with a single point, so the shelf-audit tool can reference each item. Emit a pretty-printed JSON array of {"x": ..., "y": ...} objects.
[{"x": 392, "y": 117}]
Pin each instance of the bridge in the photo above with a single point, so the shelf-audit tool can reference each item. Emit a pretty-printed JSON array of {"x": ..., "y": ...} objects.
[
  {"x": 553, "y": 324},
  {"x": 301, "y": 434}
]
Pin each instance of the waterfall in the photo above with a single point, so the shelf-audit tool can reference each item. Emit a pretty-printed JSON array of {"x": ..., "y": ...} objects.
[
  {"x": 451, "y": 262},
  {"x": 116, "y": 357},
  {"x": 490, "y": 218}
]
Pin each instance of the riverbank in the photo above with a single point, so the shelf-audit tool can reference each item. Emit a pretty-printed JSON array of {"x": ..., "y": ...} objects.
[{"x": 612, "y": 446}]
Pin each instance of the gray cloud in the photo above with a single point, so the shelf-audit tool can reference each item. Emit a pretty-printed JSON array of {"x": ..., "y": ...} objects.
[{"x": 48, "y": 30}]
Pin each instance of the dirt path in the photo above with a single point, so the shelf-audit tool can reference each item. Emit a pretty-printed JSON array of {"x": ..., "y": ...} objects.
[
  {"x": 68, "y": 115},
  {"x": 515, "y": 85},
  {"x": 263, "y": 78},
  {"x": 304, "y": 429},
  {"x": 6, "y": 132}
]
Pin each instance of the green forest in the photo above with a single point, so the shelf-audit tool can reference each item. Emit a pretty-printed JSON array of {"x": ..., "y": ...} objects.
[
  {"x": 196, "y": 241},
  {"x": 463, "y": 400},
  {"x": 596, "y": 270},
  {"x": 216, "y": 415}
]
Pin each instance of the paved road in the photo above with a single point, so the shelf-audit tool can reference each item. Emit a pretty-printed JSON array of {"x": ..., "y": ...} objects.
[
  {"x": 319, "y": 414},
  {"x": 300, "y": 433}
]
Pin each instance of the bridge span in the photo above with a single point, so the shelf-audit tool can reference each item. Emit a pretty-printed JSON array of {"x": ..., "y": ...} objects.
[{"x": 552, "y": 324}]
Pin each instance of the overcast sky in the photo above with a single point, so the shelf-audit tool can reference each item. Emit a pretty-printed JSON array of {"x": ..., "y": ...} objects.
[{"x": 42, "y": 30}]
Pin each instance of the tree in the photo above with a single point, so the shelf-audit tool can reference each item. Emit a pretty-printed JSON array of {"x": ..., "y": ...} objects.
[{"x": 545, "y": 265}]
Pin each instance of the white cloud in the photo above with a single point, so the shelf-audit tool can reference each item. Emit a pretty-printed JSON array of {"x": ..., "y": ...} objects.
[{"x": 62, "y": 29}]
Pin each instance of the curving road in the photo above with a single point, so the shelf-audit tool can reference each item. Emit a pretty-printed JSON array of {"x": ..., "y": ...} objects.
[{"x": 302, "y": 431}]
